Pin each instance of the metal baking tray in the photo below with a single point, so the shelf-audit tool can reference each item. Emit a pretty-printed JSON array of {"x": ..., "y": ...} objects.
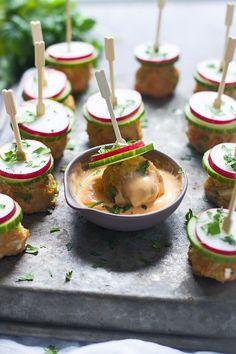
[{"x": 136, "y": 284}]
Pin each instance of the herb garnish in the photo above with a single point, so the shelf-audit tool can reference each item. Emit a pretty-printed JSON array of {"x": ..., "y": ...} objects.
[
  {"x": 26, "y": 277},
  {"x": 2, "y": 206},
  {"x": 27, "y": 117},
  {"x": 69, "y": 246},
  {"x": 117, "y": 209},
  {"x": 63, "y": 168},
  {"x": 32, "y": 250},
  {"x": 92, "y": 205},
  {"x": 70, "y": 146},
  {"x": 230, "y": 240},
  {"x": 51, "y": 350},
  {"x": 188, "y": 216},
  {"x": 41, "y": 151},
  {"x": 142, "y": 168},
  {"x": 120, "y": 108},
  {"x": 112, "y": 191},
  {"x": 68, "y": 276},
  {"x": 213, "y": 228},
  {"x": 54, "y": 229},
  {"x": 229, "y": 159}
]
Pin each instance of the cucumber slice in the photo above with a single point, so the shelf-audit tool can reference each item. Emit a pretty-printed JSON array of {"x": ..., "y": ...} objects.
[
  {"x": 65, "y": 93},
  {"x": 167, "y": 54},
  {"x": 191, "y": 226},
  {"x": 13, "y": 222},
  {"x": 213, "y": 173},
  {"x": 210, "y": 86},
  {"x": 25, "y": 182},
  {"x": 216, "y": 128},
  {"x": 121, "y": 157},
  {"x": 7, "y": 208},
  {"x": 138, "y": 115},
  {"x": 78, "y": 50}
]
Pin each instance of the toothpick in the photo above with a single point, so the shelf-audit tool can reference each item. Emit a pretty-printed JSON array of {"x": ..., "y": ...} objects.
[
  {"x": 37, "y": 36},
  {"x": 106, "y": 94},
  {"x": 39, "y": 63},
  {"x": 229, "y": 53},
  {"x": 11, "y": 110},
  {"x": 227, "y": 222},
  {"x": 68, "y": 25},
  {"x": 110, "y": 56},
  {"x": 228, "y": 22},
  {"x": 160, "y": 4}
]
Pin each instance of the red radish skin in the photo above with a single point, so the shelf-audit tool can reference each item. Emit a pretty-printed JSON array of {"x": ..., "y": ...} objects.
[
  {"x": 172, "y": 51},
  {"x": 199, "y": 231},
  {"x": 97, "y": 109},
  {"x": 201, "y": 101},
  {"x": 117, "y": 151},
  {"x": 208, "y": 74},
  {"x": 55, "y": 51},
  {"x": 35, "y": 132},
  {"x": 10, "y": 208},
  {"x": 56, "y": 82},
  {"x": 218, "y": 169}
]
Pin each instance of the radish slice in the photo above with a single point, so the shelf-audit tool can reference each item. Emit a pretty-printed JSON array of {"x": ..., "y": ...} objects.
[
  {"x": 128, "y": 103},
  {"x": 78, "y": 51},
  {"x": 119, "y": 150},
  {"x": 7, "y": 208},
  {"x": 217, "y": 161},
  {"x": 54, "y": 122},
  {"x": 201, "y": 105},
  {"x": 216, "y": 243},
  {"x": 209, "y": 70},
  {"x": 167, "y": 53},
  {"x": 38, "y": 160},
  {"x": 56, "y": 83}
]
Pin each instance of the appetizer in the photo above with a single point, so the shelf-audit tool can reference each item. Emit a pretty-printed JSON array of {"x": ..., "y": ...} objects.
[
  {"x": 51, "y": 128},
  {"x": 57, "y": 87},
  {"x": 208, "y": 77},
  {"x": 157, "y": 77},
  {"x": 120, "y": 180},
  {"x": 220, "y": 165},
  {"x": 212, "y": 251},
  {"x": 13, "y": 235},
  {"x": 207, "y": 125},
  {"x": 28, "y": 181},
  {"x": 75, "y": 62},
  {"x": 129, "y": 111}
]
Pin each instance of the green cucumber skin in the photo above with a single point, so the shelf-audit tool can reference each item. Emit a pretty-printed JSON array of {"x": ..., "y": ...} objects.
[
  {"x": 214, "y": 174},
  {"x": 13, "y": 182},
  {"x": 212, "y": 87},
  {"x": 42, "y": 138},
  {"x": 125, "y": 122},
  {"x": 59, "y": 63},
  {"x": 121, "y": 157},
  {"x": 204, "y": 252},
  {"x": 62, "y": 97},
  {"x": 202, "y": 125},
  {"x": 13, "y": 222}
]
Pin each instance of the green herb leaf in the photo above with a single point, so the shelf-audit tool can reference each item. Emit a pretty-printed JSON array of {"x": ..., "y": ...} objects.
[
  {"x": 41, "y": 151},
  {"x": 142, "y": 168},
  {"x": 70, "y": 146},
  {"x": 26, "y": 277},
  {"x": 68, "y": 276},
  {"x": 2, "y": 206},
  {"x": 188, "y": 216},
  {"x": 69, "y": 246},
  {"x": 117, "y": 209},
  {"x": 229, "y": 239},
  {"x": 63, "y": 168},
  {"x": 51, "y": 350},
  {"x": 32, "y": 250},
  {"x": 54, "y": 229},
  {"x": 229, "y": 159},
  {"x": 92, "y": 205}
]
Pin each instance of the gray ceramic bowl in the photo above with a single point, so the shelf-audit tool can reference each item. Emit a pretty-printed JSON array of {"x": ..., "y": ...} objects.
[{"x": 125, "y": 222}]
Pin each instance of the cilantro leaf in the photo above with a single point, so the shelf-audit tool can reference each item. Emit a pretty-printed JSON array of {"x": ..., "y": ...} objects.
[
  {"x": 54, "y": 229},
  {"x": 2, "y": 206},
  {"x": 51, "y": 350},
  {"x": 32, "y": 250},
  {"x": 188, "y": 216},
  {"x": 41, "y": 151},
  {"x": 26, "y": 277},
  {"x": 68, "y": 276},
  {"x": 229, "y": 239}
]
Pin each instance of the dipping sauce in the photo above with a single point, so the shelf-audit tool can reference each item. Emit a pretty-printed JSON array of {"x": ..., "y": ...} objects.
[{"x": 87, "y": 188}]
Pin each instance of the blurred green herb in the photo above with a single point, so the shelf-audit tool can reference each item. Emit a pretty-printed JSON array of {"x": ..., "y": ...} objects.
[
  {"x": 16, "y": 51},
  {"x": 32, "y": 250}
]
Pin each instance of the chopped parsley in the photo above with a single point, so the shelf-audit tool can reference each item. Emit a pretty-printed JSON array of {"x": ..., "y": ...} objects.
[
  {"x": 119, "y": 109},
  {"x": 92, "y": 205},
  {"x": 9, "y": 156},
  {"x": 69, "y": 246},
  {"x": 187, "y": 157},
  {"x": 117, "y": 209},
  {"x": 51, "y": 350},
  {"x": 2, "y": 206},
  {"x": 63, "y": 168},
  {"x": 70, "y": 146},
  {"x": 211, "y": 66},
  {"x": 31, "y": 250},
  {"x": 229, "y": 159},
  {"x": 142, "y": 168},
  {"x": 68, "y": 276},
  {"x": 214, "y": 227},
  {"x": 28, "y": 117},
  {"x": 26, "y": 277},
  {"x": 41, "y": 151},
  {"x": 230, "y": 240},
  {"x": 54, "y": 229}
]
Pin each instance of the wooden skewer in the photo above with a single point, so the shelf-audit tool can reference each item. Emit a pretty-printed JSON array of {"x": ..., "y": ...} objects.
[
  {"x": 37, "y": 36},
  {"x": 106, "y": 94},
  {"x": 227, "y": 222},
  {"x": 229, "y": 53},
  {"x": 160, "y": 4},
  {"x": 11, "y": 110},
  {"x": 110, "y": 56},
  {"x": 228, "y": 22},
  {"x": 68, "y": 25},
  {"x": 39, "y": 64}
]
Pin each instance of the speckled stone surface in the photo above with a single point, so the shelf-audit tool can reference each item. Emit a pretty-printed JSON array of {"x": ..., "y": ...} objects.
[{"x": 127, "y": 284}]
